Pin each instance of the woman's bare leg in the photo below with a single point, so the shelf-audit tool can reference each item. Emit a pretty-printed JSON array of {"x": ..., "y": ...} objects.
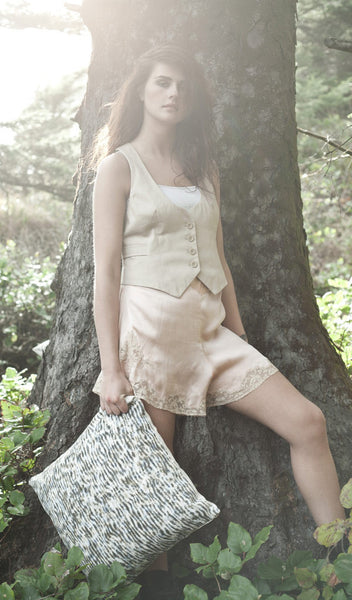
[
  {"x": 277, "y": 404},
  {"x": 164, "y": 421}
]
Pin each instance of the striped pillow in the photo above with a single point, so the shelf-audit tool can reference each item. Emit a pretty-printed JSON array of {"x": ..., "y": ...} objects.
[{"x": 119, "y": 494}]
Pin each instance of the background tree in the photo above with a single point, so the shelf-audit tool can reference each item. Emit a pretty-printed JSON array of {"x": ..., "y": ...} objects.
[
  {"x": 247, "y": 48},
  {"x": 45, "y": 151}
]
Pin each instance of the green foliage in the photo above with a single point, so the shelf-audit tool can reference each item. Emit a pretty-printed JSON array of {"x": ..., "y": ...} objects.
[
  {"x": 300, "y": 577},
  {"x": 27, "y": 304},
  {"x": 336, "y": 312},
  {"x": 22, "y": 427},
  {"x": 63, "y": 579}
]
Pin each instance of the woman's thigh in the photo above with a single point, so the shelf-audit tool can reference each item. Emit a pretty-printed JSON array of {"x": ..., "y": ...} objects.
[
  {"x": 277, "y": 404},
  {"x": 164, "y": 421}
]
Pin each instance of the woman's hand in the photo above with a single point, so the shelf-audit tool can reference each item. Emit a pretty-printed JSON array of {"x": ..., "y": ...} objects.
[{"x": 115, "y": 386}]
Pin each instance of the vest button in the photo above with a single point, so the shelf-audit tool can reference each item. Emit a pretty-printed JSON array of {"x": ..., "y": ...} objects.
[
  {"x": 194, "y": 264},
  {"x": 191, "y": 238},
  {"x": 189, "y": 225},
  {"x": 193, "y": 251}
]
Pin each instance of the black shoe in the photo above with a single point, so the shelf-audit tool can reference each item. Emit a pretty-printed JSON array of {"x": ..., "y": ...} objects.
[{"x": 157, "y": 585}]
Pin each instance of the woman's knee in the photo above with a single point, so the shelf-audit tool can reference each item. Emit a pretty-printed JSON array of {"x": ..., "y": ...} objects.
[{"x": 312, "y": 425}]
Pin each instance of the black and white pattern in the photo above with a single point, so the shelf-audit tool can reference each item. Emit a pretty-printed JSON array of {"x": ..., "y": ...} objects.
[{"x": 119, "y": 494}]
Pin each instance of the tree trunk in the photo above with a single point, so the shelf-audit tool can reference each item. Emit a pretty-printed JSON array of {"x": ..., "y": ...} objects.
[{"x": 247, "y": 49}]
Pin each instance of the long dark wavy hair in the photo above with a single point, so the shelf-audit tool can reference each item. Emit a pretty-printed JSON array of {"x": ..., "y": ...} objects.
[{"x": 195, "y": 135}]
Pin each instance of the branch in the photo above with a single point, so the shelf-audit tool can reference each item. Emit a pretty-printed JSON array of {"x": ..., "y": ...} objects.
[
  {"x": 64, "y": 193},
  {"x": 344, "y": 45},
  {"x": 328, "y": 140}
]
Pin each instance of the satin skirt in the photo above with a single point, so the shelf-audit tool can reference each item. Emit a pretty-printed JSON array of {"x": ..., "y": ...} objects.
[{"x": 177, "y": 355}]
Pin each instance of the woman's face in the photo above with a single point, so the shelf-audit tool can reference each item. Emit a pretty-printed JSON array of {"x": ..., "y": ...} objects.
[{"x": 165, "y": 95}]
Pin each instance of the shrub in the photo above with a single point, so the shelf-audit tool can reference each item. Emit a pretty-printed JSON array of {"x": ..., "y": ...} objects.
[
  {"x": 61, "y": 578},
  {"x": 26, "y": 307},
  {"x": 21, "y": 429},
  {"x": 300, "y": 577}
]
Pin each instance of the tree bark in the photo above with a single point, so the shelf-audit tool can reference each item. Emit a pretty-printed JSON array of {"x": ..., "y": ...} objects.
[
  {"x": 335, "y": 44},
  {"x": 247, "y": 49}
]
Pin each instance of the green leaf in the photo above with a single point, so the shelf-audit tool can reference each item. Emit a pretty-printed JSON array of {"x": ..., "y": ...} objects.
[
  {"x": 213, "y": 550},
  {"x": 129, "y": 592},
  {"x": 30, "y": 593},
  {"x": 346, "y": 495},
  {"x": 53, "y": 564},
  {"x": 340, "y": 595},
  {"x": 37, "y": 434},
  {"x": 74, "y": 557},
  {"x": 18, "y": 510},
  {"x": 273, "y": 568},
  {"x": 312, "y": 594},
  {"x": 118, "y": 573},
  {"x": 305, "y": 577},
  {"x": 300, "y": 558},
  {"x": 45, "y": 581},
  {"x": 242, "y": 589},
  {"x": 204, "y": 555},
  {"x": 6, "y": 592},
  {"x": 259, "y": 540},
  {"x": 16, "y": 498},
  {"x": 238, "y": 539},
  {"x": 326, "y": 571},
  {"x": 283, "y": 597},
  {"x": 229, "y": 563},
  {"x": 327, "y": 593},
  {"x": 193, "y": 592},
  {"x": 19, "y": 438},
  {"x": 80, "y": 592},
  {"x": 100, "y": 579},
  {"x": 330, "y": 533},
  {"x": 343, "y": 567}
]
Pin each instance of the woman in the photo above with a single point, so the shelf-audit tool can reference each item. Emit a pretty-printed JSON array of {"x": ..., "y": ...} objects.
[{"x": 171, "y": 332}]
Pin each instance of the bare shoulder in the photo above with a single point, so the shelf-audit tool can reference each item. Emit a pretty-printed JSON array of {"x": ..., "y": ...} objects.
[{"x": 114, "y": 171}]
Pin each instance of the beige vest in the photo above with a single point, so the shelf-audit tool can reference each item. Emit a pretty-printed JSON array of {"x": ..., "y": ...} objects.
[{"x": 164, "y": 246}]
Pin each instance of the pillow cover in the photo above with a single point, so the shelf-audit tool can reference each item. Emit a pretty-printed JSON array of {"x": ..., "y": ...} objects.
[{"x": 119, "y": 494}]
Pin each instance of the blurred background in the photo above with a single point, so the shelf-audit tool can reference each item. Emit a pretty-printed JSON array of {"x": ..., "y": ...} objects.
[{"x": 45, "y": 52}]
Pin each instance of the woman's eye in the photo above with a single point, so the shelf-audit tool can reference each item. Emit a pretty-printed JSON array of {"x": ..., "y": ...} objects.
[{"x": 163, "y": 83}]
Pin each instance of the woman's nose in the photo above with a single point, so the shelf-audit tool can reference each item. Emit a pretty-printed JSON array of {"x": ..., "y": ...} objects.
[{"x": 173, "y": 90}]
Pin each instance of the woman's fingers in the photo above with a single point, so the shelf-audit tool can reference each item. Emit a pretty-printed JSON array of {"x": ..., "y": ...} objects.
[{"x": 115, "y": 406}]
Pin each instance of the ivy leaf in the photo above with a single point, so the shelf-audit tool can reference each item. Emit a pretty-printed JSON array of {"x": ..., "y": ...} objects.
[
  {"x": 346, "y": 495},
  {"x": 16, "y": 498},
  {"x": 238, "y": 539}
]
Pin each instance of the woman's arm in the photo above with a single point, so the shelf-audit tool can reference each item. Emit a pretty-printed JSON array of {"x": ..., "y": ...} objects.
[
  {"x": 111, "y": 189},
  {"x": 233, "y": 318}
]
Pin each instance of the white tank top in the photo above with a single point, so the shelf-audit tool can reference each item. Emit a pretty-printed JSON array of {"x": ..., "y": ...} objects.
[{"x": 185, "y": 197}]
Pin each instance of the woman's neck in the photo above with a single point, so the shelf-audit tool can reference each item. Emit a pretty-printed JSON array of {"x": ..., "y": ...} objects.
[{"x": 157, "y": 141}]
